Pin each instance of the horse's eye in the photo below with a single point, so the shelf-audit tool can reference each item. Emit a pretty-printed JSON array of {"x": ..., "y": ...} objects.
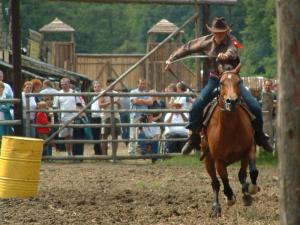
[{"x": 221, "y": 83}]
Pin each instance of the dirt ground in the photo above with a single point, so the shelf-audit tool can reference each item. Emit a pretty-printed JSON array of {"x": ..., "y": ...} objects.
[{"x": 135, "y": 193}]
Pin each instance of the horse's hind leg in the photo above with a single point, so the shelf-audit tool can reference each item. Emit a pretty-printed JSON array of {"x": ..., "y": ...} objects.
[
  {"x": 253, "y": 188},
  {"x": 222, "y": 171},
  {"x": 245, "y": 186},
  {"x": 211, "y": 170}
]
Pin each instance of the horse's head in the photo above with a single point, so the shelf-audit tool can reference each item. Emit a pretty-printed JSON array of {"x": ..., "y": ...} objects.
[{"x": 230, "y": 89}]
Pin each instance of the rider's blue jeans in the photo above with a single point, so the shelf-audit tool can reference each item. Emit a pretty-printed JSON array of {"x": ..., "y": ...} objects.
[{"x": 206, "y": 95}]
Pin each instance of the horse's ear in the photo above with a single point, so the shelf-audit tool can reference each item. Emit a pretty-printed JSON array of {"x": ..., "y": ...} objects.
[{"x": 237, "y": 68}]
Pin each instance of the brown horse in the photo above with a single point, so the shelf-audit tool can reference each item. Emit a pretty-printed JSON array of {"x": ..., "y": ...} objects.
[{"x": 230, "y": 138}]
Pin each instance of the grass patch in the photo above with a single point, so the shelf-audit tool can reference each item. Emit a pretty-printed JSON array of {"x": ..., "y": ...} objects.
[
  {"x": 266, "y": 159},
  {"x": 263, "y": 159}
]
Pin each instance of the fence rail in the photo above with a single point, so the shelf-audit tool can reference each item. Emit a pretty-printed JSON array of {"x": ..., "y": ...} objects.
[{"x": 113, "y": 111}]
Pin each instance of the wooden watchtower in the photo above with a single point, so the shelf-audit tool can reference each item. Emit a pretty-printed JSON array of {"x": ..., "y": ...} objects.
[
  {"x": 59, "y": 53},
  {"x": 157, "y": 77}
]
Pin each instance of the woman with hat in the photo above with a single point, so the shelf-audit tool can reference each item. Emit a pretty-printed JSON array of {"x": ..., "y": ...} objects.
[{"x": 221, "y": 48}]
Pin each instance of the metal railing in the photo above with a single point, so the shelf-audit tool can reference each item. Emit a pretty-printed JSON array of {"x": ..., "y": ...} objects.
[
  {"x": 12, "y": 122},
  {"x": 114, "y": 138}
]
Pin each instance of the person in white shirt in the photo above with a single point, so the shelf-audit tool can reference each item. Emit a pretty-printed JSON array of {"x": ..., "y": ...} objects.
[
  {"x": 105, "y": 104},
  {"x": 66, "y": 103},
  {"x": 28, "y": 131},
  {"x": 184, "y": 100},
  {"x": 175, "y": 131},
  {"x": 7, "y": 87},
  {"x": 7, "y": 91}
]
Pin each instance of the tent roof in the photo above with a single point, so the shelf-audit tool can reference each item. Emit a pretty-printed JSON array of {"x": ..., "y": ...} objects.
[
  {"x": 57, "y": 26},
  {"x": 163, "y": 27}
]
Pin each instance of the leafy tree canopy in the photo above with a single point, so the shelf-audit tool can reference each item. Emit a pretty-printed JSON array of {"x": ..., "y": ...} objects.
[{"x": 122, "y": 28}]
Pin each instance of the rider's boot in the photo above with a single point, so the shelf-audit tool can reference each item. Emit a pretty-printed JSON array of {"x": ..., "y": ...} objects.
[
  {"x": 193, "y": 142},
  {"x": 261, "y": 138}
]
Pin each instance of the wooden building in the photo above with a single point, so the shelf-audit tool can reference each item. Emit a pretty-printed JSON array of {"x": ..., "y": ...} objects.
[
  {"x": 59, "y": 53},
  {"x": 157, "y": 77},
  {"x": 103, "y": 66}
]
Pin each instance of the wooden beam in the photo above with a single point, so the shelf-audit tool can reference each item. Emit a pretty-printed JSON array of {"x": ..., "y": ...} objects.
[
  {"x": 163, "y": 2},
  {"x": 16, "y": 59},
  {"x": 45, "y": 68}
]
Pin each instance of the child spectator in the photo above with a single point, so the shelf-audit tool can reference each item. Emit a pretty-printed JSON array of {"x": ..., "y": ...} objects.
[
  {"x": 43, "y": 132},
  {"x": 152, "y": 133}
]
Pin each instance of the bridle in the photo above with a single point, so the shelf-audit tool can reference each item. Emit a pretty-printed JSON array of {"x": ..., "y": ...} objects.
[{"x": 227, "y": 104}]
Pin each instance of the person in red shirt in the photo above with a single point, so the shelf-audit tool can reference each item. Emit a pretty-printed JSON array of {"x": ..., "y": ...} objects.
[{"x": 43, "y": 132}]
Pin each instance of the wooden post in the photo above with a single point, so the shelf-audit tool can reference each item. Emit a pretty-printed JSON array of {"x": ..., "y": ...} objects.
[
  {"x": 205, "y": 17},
  {"x": 198, "y": 61},
  {"x": 16, "y": 60},
  {"x": 288, "y": 123}
]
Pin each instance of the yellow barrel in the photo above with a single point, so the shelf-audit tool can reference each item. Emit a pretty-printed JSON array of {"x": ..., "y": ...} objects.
[{"x": 20, "y": 162}]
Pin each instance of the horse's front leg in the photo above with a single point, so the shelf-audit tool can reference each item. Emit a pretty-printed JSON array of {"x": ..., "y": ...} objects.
[
  {"x": 222, "y": 171},
  {"x": 245, "y": 185},
  {"x": 211, "y": 170}
]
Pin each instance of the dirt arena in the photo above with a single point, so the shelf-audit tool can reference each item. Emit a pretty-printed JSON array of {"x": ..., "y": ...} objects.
[{"x": 137, "y": 192}]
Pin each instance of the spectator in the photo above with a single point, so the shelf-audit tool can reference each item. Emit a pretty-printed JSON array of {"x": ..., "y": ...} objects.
[
  {"x": 28, "y": 131},
  {"x": 105, "y": 104},
  {"x": 152, "y": 133},
  {"x": 7, "y": 87},
  {"x": 125, "y": 116},
  {"x": 36, "y": 88},
  {"x": 43, "y": 132},
  {"x": 66, "y": 103},
  {"x": 175, "y": 131},
  {"x": 52, "y": 118},
  {"x": 137, "y": 103},
  {"x": 96, "y": 118},
  {"x": 184, "y": 100},
  {"x": 8, "y": 90},
  {"x": 170, "y": 99},
  {"x": 79, "y": 134},
  {"x": 267, "y": 102},
  {"x": 48, "y": 88},
  {"x": 157, "y": 104},
  {"x": 5, "y": 111}
]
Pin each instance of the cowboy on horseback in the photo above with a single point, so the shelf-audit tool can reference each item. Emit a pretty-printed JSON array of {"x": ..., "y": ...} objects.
[{"x": 224, "y": 46}]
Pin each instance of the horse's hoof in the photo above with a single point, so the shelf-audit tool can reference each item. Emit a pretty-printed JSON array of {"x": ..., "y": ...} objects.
[
  {"x": 247, "y": 199},
  {"x": 216, "y": 211},
  {"x": 253, "y": 189},
  {"x": 231, "y": 201}
]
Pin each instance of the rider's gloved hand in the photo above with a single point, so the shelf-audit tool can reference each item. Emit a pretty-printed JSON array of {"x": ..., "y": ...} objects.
[
  {"x": 168, "y": 63},
  {"x": 222, "y": 57}
]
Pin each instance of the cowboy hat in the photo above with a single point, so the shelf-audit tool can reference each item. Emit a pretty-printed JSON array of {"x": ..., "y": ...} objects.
[{"x": 218, "y": 25}]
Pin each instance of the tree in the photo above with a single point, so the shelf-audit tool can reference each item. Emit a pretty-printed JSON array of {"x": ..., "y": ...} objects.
[{"x": 289, "y": 110}]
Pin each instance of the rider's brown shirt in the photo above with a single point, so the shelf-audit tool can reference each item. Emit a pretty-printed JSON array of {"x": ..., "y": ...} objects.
[{"x": 206, "y": 45}]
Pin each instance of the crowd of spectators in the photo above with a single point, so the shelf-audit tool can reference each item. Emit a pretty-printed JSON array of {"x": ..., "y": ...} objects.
[{"x": 139, "y": 138}]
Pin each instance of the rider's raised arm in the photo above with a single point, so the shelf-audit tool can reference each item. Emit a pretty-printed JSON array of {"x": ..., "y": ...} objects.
[{"x": 194, "y": 46}]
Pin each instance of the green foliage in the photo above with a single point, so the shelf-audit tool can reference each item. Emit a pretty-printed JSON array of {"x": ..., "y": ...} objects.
[
  {"x": 258, "y": 36},
  {"x": 122, "y": 28}
]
